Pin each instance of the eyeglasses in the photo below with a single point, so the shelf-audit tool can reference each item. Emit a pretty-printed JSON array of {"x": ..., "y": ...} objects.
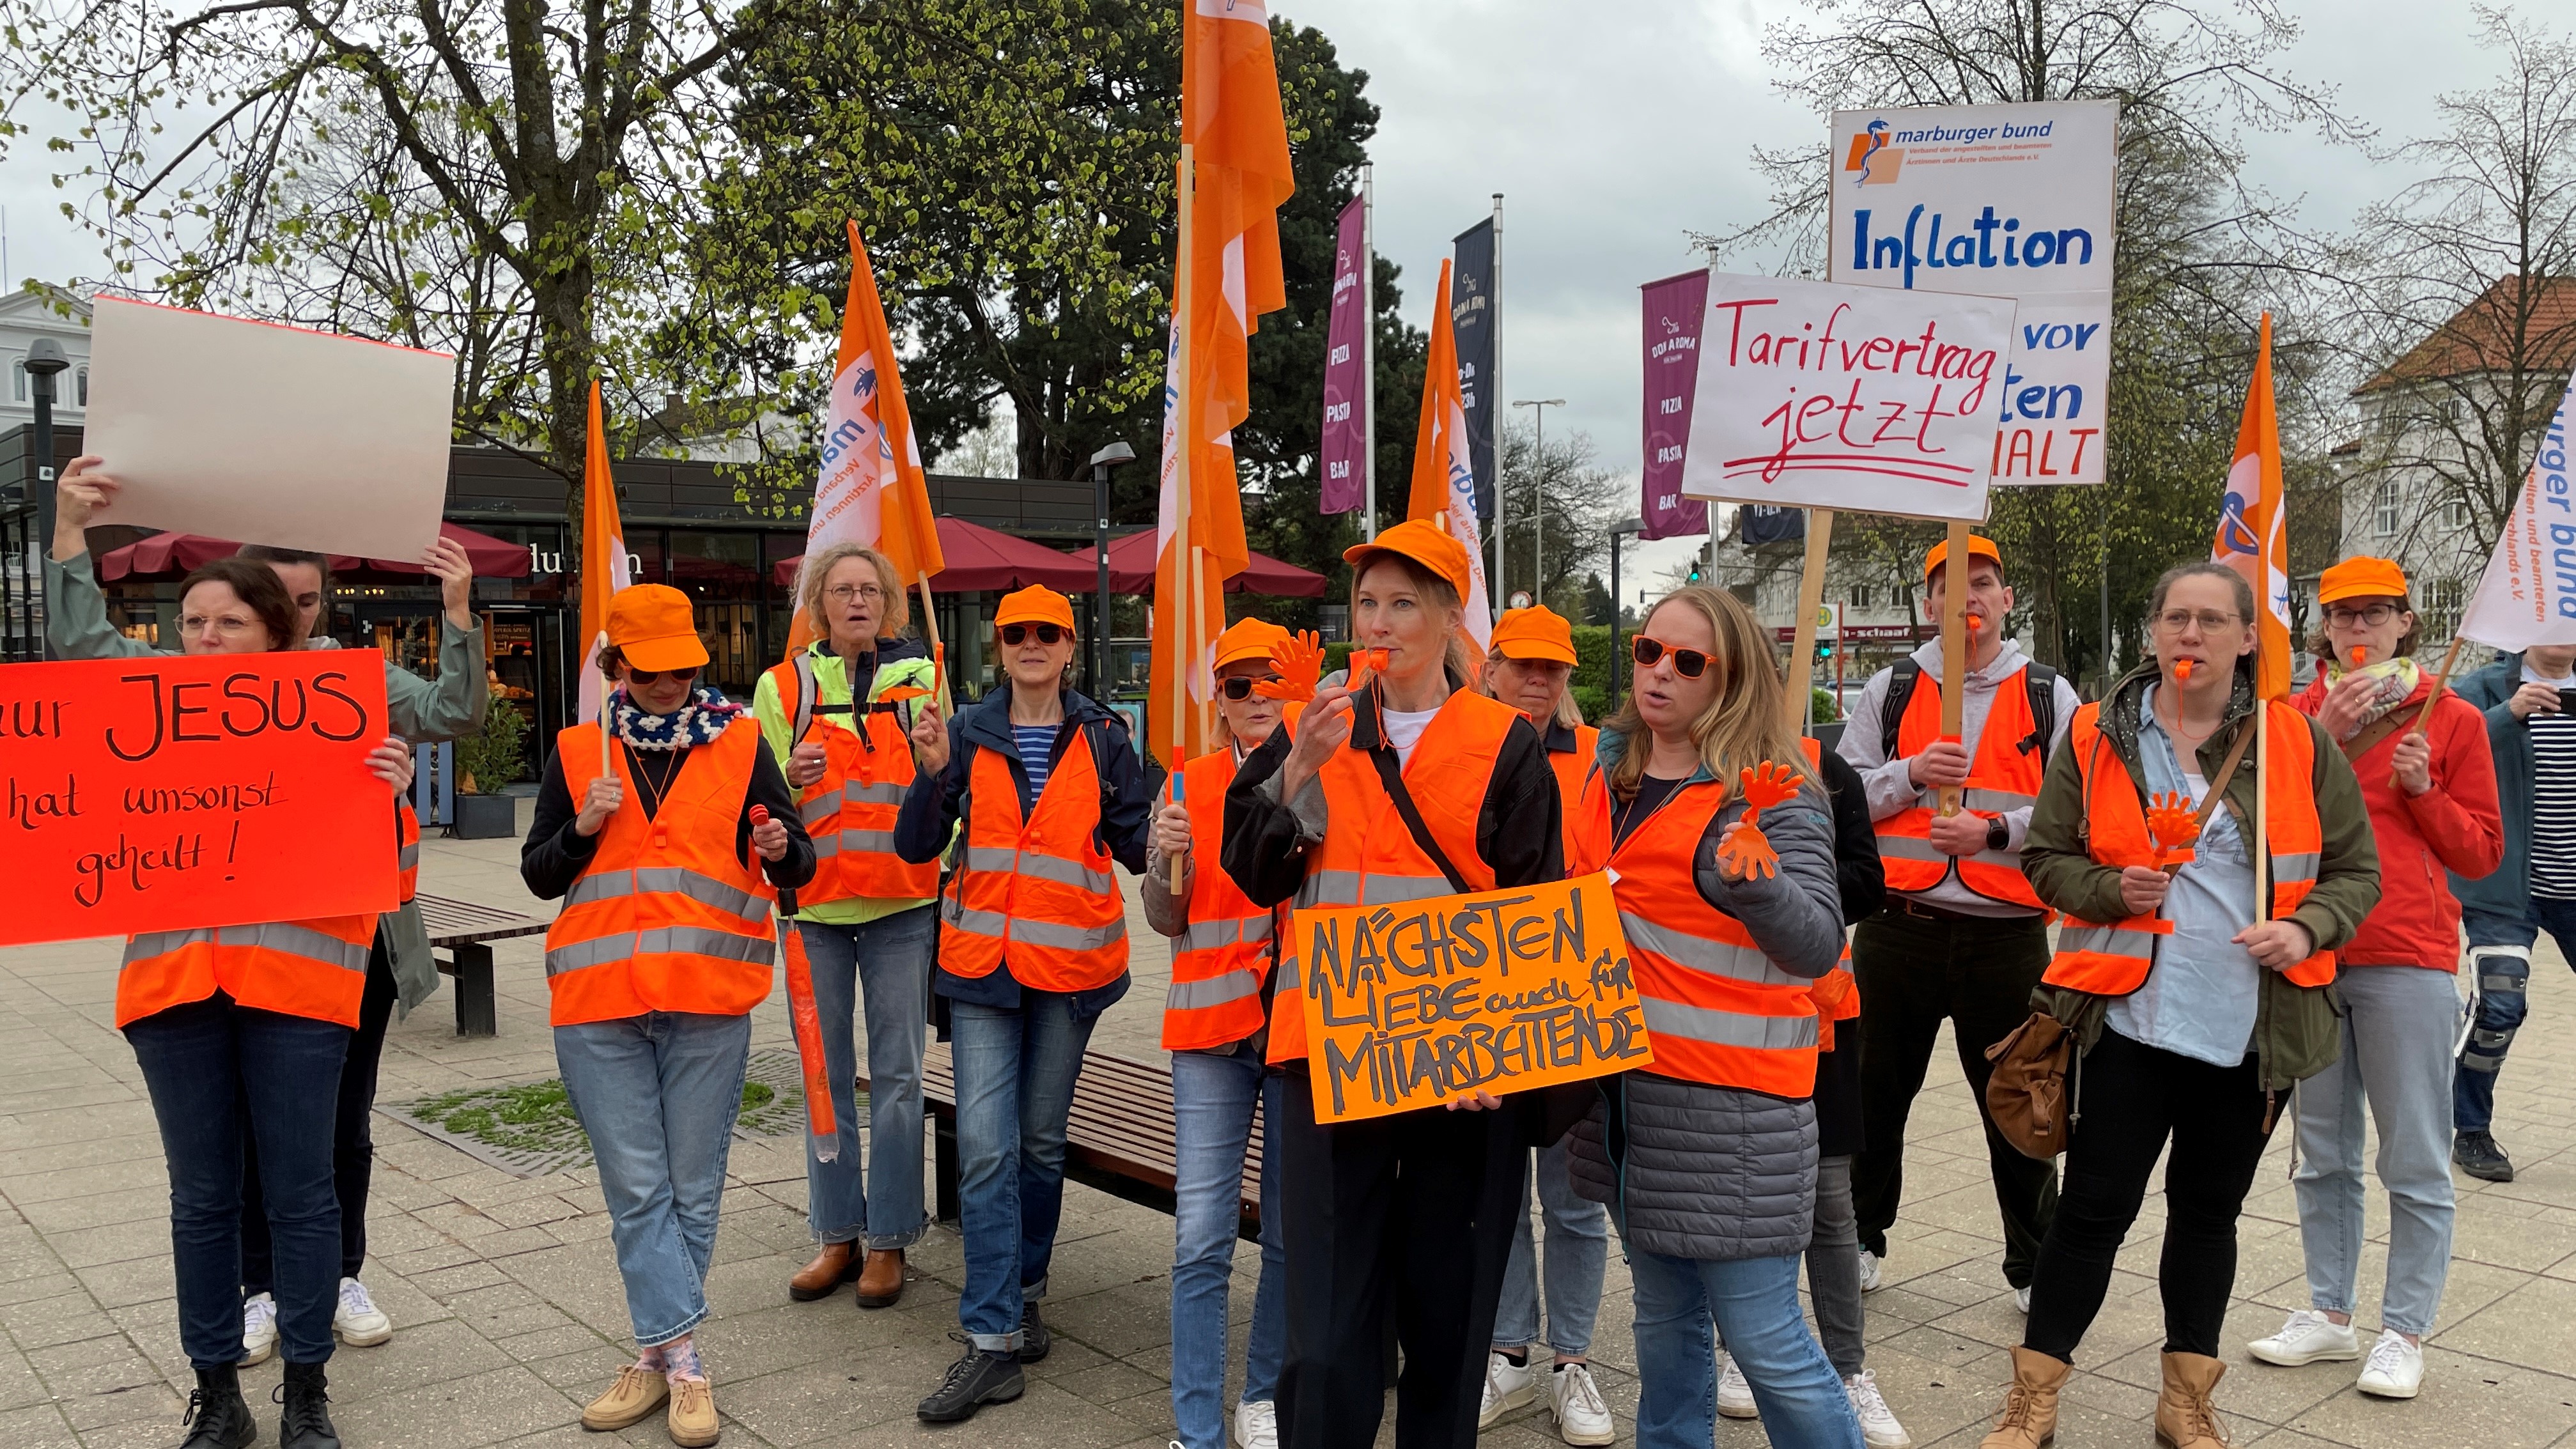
[
  {"x": 1688, "y": 663},
  {"x": 1016, "y": 635},
  {"x": 655, "y": 676},
  {"x": 2373, "y": 615},
  {"x": 1238, "y": 687},
  {"x": 843, "y": 593},
  {"x": 229, "y": 626},
  {"x": 2174, "y": 621}
]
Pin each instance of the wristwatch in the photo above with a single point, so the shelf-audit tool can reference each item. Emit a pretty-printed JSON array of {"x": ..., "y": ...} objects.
[{"x": 1998, "y": 834}]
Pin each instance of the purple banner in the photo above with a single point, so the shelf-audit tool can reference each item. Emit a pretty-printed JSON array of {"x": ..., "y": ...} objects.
[
  {"x": 1344, "y": 457},
  {"x": 1674, "y": 307}
]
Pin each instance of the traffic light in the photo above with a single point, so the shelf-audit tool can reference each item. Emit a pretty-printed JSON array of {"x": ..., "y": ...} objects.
[{"x": 1700, "y": 562}]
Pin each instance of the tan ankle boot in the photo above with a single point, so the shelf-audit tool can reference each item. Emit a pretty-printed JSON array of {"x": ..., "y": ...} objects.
[
  {"x": 2185, "y": 1417},
  {"x": 2030, "y": 1405}
]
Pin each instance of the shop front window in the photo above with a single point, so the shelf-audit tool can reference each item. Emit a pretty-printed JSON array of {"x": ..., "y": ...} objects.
[{"x": 721, "y": 574}]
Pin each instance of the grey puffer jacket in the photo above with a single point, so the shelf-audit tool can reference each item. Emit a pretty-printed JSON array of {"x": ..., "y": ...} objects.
[{"x": 1712, "y": 1173}]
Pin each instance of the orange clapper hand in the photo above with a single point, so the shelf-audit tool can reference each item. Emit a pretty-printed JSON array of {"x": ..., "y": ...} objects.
[
  {"x": 1746, "y": 850},
  {"x": 1299, "y": 658},
  {"x": 2175, "y": 826}
]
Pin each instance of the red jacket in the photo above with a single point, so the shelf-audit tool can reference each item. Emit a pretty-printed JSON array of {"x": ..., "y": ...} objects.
[{"x": 2453, "y": 826}]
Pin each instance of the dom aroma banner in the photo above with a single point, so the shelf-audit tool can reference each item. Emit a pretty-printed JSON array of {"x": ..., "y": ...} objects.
[{"x": 2002, "y": 201}]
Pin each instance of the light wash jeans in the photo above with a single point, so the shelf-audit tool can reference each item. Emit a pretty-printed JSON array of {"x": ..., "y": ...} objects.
[
  {"x": 1578, "y": 1244},
  {"x": 659, "y": 1094},
  {"x": 2398, "y": 1026},
  {"x": 1212, "y": 1102},
  {"x": 1015, "y": 1072},
  {"x": 887, "y": 961},
  {"x": 1753, "y": 1302}
]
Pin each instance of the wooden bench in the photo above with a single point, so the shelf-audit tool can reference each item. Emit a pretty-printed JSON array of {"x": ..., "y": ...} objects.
[{"x": 466, "y": 932}]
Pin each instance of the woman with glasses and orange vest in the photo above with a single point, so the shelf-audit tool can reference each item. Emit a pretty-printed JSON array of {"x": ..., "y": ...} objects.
[
  {"x": 1708, "y": 1158},
  {"x": 667, "y": 830},
  {"x": 1216, "y": 1025},
  {"x": 1032, "y": 948},
  {"x": 1321, "y": 820},
  {"x": 836, "y": 717},
  {"x": 241, "y": 1032},
  {"x": 2194, "y": 1012}
]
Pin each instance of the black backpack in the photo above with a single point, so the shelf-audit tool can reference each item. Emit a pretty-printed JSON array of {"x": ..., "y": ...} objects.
[{"x": 2038, "y": 678}]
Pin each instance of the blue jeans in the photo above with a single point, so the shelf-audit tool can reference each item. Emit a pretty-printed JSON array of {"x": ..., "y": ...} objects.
[
  {"x": 1212, "y": 1102},
  {"x": 207, "y": 1065},
  {"x": 887, "y": 960},
  {"x": 1015, "y": 1072},
  {"x": 1753, "y": 1303},
  {"x": 659, "y": 1094},
  {"x": 2500, "y": 979},
  {"x": 1578, "y": 1245}
]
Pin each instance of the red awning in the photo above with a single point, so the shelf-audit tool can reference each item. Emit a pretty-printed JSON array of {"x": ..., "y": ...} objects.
[
  {"x": 983, "y": 558},
  {"x": 1131, "y": 570},
  {"x": 174, "y": 555}
]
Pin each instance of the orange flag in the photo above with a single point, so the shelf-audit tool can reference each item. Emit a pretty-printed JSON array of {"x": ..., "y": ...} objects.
[
  {"x": 1444, "y": 475},
  {"x": 604, "y": 563},
  {"x": 2253, "y": 538}
]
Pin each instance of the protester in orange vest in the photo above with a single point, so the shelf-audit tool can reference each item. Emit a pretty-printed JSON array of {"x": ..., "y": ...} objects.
[
  {"x": 2194, "y": 1013},
  {"x": 1962, "y": 938},
  {"x": 667, "y": 855},
  {"x": 1216, "y": 1026},
  {"x": 234, "y": 1027},
  {"x": 836, "y": 717},
  {"x": 1710, "y": 1168},
  {"x": 1032, "y": 948},
  {"x": 1319, "y": 820}
]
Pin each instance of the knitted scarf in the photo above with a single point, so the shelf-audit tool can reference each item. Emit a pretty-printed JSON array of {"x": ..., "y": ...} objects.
[{"x": 697, "y": 722}]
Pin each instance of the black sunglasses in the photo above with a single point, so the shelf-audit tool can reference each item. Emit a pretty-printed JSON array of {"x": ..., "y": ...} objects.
[
  {"x": 1016, "y": 635},
  {"x": 1238, "y": 687},
  {"x": 1688, "y": 663},
  {"x": 654, "y": 676}
]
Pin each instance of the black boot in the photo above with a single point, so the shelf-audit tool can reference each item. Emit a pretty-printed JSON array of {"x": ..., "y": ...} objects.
[
  {"x": 978, "y": 1378},
  {"x": 217, "y": 1417},
  {"x": 306, "y": 1424}
]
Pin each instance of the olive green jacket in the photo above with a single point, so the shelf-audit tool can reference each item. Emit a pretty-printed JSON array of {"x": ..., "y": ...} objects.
[{"x": 2296, "y": 1034}]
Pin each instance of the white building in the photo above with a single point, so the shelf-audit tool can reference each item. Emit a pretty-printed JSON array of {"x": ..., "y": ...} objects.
[{"x": 26, "y": 316}]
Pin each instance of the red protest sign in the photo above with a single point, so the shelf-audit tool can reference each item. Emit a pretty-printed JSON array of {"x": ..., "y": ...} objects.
[{"x": 167, "y": 793}]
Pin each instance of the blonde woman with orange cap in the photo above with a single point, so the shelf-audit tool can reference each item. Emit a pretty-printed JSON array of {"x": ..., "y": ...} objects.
[
  {"x": 1032, "y": 948},
  {"x": 666, "y": 829}
]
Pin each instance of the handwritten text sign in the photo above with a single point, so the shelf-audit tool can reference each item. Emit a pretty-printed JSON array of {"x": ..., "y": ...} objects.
[
  {"x": 1414, "y": 1004},
  {"x": 169, "y": 793},
  {"x": 1817, "y": 395}
]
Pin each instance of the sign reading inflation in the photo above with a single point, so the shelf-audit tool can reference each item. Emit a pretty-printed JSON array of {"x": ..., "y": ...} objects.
[{"x": 2002, "y": 201}]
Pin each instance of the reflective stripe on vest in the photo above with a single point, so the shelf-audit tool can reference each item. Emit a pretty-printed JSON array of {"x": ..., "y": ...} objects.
[
  {"x": 663, "y": 941},
  {"x": 2002, "y": 776},
  {"x": 850, "y": 811},
  {"x": 406, "y": 850},
  {"x": 315, "y": 969},
  {"x": 1222, "y": 955},
  {"x": 1037, "y": 894},
  {"x": 602, "y": 885}
]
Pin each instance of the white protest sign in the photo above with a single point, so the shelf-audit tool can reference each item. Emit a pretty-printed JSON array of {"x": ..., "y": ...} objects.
[
  {"x": 2528, "y": 594},
  {"x": 2000, "y": 201},
  {"x": 1817, "y": 395},
  {"x": 267, "y": 434}
]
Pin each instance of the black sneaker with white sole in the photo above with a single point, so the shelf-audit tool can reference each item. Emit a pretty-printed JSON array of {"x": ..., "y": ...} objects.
[
  {"x": 982, "y": 1376},
  {"x": 2478, "y": 1156}
]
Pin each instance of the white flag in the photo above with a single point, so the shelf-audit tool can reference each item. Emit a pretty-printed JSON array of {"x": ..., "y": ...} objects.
[{"x": 2528, "y": 594}]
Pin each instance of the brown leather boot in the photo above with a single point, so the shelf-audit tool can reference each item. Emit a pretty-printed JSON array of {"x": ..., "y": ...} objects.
[
  {"x": 2030, "y": 1406},
  {"x": 882, "y": 1283},
  {"x": 837, "y": 1264},
  {"x": 2185, "y": 1417}
]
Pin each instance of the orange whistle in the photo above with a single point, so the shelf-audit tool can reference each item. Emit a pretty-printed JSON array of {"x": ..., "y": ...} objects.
[
  {"x": 2182, "y": 671},
  {"x": 2360, "y": 656}
]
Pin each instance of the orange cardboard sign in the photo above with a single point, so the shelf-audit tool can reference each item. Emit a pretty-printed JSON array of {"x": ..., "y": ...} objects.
[
  {"x": 1411, "y": 1004},
  {"x": 169, "y": 793}
]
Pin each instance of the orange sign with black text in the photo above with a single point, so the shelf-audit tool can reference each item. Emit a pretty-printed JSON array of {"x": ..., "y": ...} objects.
[
  {"x": 1418, "y": 1003},
  {"x": 167, "y": 793}
]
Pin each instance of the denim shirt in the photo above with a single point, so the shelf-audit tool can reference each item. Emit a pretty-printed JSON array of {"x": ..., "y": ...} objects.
[{"x": 2199, "y": 1001}]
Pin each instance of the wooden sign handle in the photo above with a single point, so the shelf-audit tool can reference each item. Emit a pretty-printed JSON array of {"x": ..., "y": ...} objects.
[{"x": 1954, "y": 648}]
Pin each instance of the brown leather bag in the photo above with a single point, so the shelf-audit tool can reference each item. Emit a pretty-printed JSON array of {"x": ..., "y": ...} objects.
[{"x": 2027, "y": 1095}]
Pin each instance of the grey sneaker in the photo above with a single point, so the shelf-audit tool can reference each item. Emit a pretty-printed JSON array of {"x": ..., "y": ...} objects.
[{"x": 977, "y": 1379}]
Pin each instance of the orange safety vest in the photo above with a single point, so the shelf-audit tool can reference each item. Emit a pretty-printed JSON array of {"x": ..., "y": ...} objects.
[
  {"x": 1719, "y": 1011},
  {"x": 406, "y": 849},
  {"x": 1369, "y": 858},
  {"x": 1039, "y": 892},
  {"x": 850, "y": 811},
  {"x": 1219, "y": 964},
  {"x": 665, "y": 917},
  {"x": 2001, "y": 776},
  {"x": 1585, "y": 791},
  {"x": 1837, "y": 992},
  {"x": 2113, "y": 959},
  {"x": 315, "y": 969}
]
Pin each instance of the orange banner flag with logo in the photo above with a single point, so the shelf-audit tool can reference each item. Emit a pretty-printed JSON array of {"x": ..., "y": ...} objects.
[
  {"x": 605, "y": 565},
  {"x": 1444, "y": 474},
  {"x": 2253, "y": 536}
]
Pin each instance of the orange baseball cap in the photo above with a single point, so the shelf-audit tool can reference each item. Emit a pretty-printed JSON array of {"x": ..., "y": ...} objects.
[
  {"x": 1534, "y": 633},
  {"x": 1248, "y": 639},
  {"x": 1036, "y": 604},
  {"x": 653, "y": 627},
  {"x": 1426, "y": 545},
  {"x": 1978, "y": 547},
  {"x": 2362, "y": 577}
]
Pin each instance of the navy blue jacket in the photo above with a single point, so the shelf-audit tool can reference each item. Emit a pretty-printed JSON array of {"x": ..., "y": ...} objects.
[{"x": 2507, "y": 892}]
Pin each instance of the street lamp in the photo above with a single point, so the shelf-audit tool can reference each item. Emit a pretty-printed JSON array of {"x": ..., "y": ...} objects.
[
  {"x": 44, "y": 360},
  {"x": 1101, "y": 462},
  {"x": 1617, "y": 530},
  {"x": 1538, "y": 493}
]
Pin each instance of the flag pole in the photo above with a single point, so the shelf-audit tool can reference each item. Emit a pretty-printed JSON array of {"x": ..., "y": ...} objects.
[
  {"x": 1181, "y": 616},
  {"x": 1492, "y": 387},
  {"x": 1954, "y": 648},
  {"x": 1368, "y": 351},
  {"x": 607, "y": 736},
  {"x": 1811, "y": 594}
]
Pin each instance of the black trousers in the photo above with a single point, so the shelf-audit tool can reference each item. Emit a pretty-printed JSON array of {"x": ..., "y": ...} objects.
[
  {"x": 353, "y": 1140},
  {"x": 2132, "y": 1098},
  {"x": 1410, "y": 1214},
  {"x": 1913, "y": 973}
]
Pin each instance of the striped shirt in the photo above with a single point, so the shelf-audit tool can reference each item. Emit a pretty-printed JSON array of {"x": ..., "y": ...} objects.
[
  {"x": 2553, "y": 799},
  {"x": 1036, "y": 743}
]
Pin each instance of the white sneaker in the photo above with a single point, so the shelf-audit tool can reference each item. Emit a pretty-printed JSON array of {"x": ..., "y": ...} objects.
[
  {"x": 1868, "y": 1271},
  {"x": 2309, "y": 1337},
  {"x": 1734, "y": 1395},
  {"x": 2396, "y": 1367},
  {"x": 1256, "y": 1424},
  {"x": 358, "y": 1321},
  {"x": 1508, "y": 1386},
  {"x": 2021, "y": 1300},
  {"x": 1878, "y": 1426},
  {"x": 1581, "y": 1416},
  {"x": 259, "y": 1329}
]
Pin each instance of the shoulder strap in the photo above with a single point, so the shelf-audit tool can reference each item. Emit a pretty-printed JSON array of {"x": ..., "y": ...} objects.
[
  {"x": 805, "y": 689},
  {"x": 2227, "y": 767},
  {"x": 1901, "y": 679},
  {"x": 2377, "y": 730},
  {"x": 1391, "y": 774},
  {"x": 2042, "y": 682}
]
